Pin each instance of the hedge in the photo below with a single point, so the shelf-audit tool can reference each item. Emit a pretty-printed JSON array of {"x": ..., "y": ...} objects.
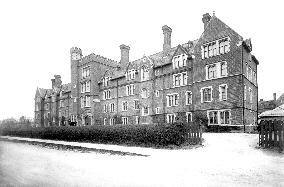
[{"x": 145, "y": 135}]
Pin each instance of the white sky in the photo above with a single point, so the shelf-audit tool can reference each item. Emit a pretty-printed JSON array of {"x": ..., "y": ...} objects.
[{"x": 35, "y": 38}]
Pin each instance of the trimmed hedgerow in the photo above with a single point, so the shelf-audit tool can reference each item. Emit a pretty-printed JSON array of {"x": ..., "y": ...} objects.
[{"x": 146, "y": 135}]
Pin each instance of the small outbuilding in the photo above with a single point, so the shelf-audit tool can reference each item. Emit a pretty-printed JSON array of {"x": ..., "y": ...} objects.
[{"x": 275, "y": 114}]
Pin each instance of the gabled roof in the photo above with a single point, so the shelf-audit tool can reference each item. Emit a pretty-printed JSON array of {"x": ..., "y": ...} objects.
[
  {"x": 212, "y": 20},
  {"x": 156, "y": 60},
  {"x": 277, "y": 112},
  {"x": 66, "y": 87}
]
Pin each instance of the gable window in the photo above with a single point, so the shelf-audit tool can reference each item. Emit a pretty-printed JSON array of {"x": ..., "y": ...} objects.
[
  {"x": 130, "y": 89},
  {"x": 179, "y": 61},
  {"x": 188, "y": 117},
  {"x": 144, "y": 93},
  {"x": 172, "y": 100},
  {"x": 144, "y": 73},
  {"x": 106, "y": 81},
  {"x": 124, "y": 120},
  {"x": 130, "y": 74},
  {"x": 86, "y": 72},
  {"x": 124, "y": 106},
  {"x": 145, "y": 111},
  {"x": 106, "y": 94},
  {"x": 180, "y": 79},
  {"x": 206, "y": 94},
  {"x": 136, "y": 104},
  {"x": 223, "y": 92},
  {"x": 215, "y": 48},
  {"x": 188, "y": 98},
  {"x": 111, "y": 107},
  {"x": 171, "y": 118}
]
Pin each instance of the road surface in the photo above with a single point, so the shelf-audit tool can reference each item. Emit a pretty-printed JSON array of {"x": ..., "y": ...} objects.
[{"x": 224, "y": 160}]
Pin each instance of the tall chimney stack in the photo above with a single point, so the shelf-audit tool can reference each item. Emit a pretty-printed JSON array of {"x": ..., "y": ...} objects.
[
  {"x": 274, "y": 96},
  {"x": 205, "y": 19},
  {"x": 124, "y": 49},
  {"x": 167, "y": 31}
]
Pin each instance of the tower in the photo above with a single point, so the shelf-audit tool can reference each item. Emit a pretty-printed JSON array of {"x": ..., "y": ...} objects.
[{"x": 75, "y": 56}]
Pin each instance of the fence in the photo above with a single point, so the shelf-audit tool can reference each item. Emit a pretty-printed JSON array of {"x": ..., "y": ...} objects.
[
  {"x": 271, "y": 134},
  {"x": 194, "y": 133}
]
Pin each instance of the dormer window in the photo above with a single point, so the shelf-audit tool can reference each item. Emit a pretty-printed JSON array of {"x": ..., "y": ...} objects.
[
  {"x": 144, "y": 73},
  {"x": 106, "y": 81},
  {"x": 215, "y": 48},
  {"x": 179, "y": 61},
  {"x": 130, "y": 74}
]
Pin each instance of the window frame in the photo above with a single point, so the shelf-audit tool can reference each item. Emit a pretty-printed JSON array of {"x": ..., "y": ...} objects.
[
  {"x": 187, "y": 98},
  {"x": 124, "y": 120},
  {"x": 226, "y": 92},
  {"x": 187, "y": 113},
  {"x": 124, "y": 106},
  {"x": 171, "y": 116},
  {"x": 182, "y": 79},
  {"x": 172, "y": 99},
  {"x": 112, "y": 107},
  {"x": 201, "y": 91}
]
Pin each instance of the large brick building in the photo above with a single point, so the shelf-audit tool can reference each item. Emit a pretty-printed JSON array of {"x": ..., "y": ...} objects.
[{"x": 213, "y": 77}]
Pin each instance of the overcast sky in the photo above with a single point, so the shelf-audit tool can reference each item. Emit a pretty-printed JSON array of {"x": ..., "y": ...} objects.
[{"x": 36, "y": 36}]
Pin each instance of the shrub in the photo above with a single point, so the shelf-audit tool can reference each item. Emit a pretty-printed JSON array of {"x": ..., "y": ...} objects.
[{"x": 147, "y": 135}]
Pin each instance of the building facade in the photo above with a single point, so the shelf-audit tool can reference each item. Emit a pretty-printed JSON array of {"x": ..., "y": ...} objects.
[{"x": 213, "y": 77}]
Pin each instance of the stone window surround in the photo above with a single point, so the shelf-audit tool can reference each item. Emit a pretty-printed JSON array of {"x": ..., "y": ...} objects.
[{"x": 201, "y": 92}]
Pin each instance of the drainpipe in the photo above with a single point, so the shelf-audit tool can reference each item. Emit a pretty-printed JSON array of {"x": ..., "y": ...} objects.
[{"x": 243, "y": 89}]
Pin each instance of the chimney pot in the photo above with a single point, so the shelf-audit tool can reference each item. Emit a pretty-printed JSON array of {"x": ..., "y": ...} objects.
[
  {"x": 205, "y": 19},
  {"x": 274, "y": 96},
  {"x": 124, "y": 49}
]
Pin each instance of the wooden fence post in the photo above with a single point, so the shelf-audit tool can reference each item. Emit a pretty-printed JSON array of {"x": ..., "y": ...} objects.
[
  {"x": 270, "y": 129},
  {"x": 275, "y": 129},
  {"x": 281, "y": 135},
  {"x": 261, "y": 125},
  {"x": 266, "y": 134}
]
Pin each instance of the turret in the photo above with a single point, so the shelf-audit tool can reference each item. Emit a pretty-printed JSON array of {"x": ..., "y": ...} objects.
[{"x": 76, "y": 55}]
